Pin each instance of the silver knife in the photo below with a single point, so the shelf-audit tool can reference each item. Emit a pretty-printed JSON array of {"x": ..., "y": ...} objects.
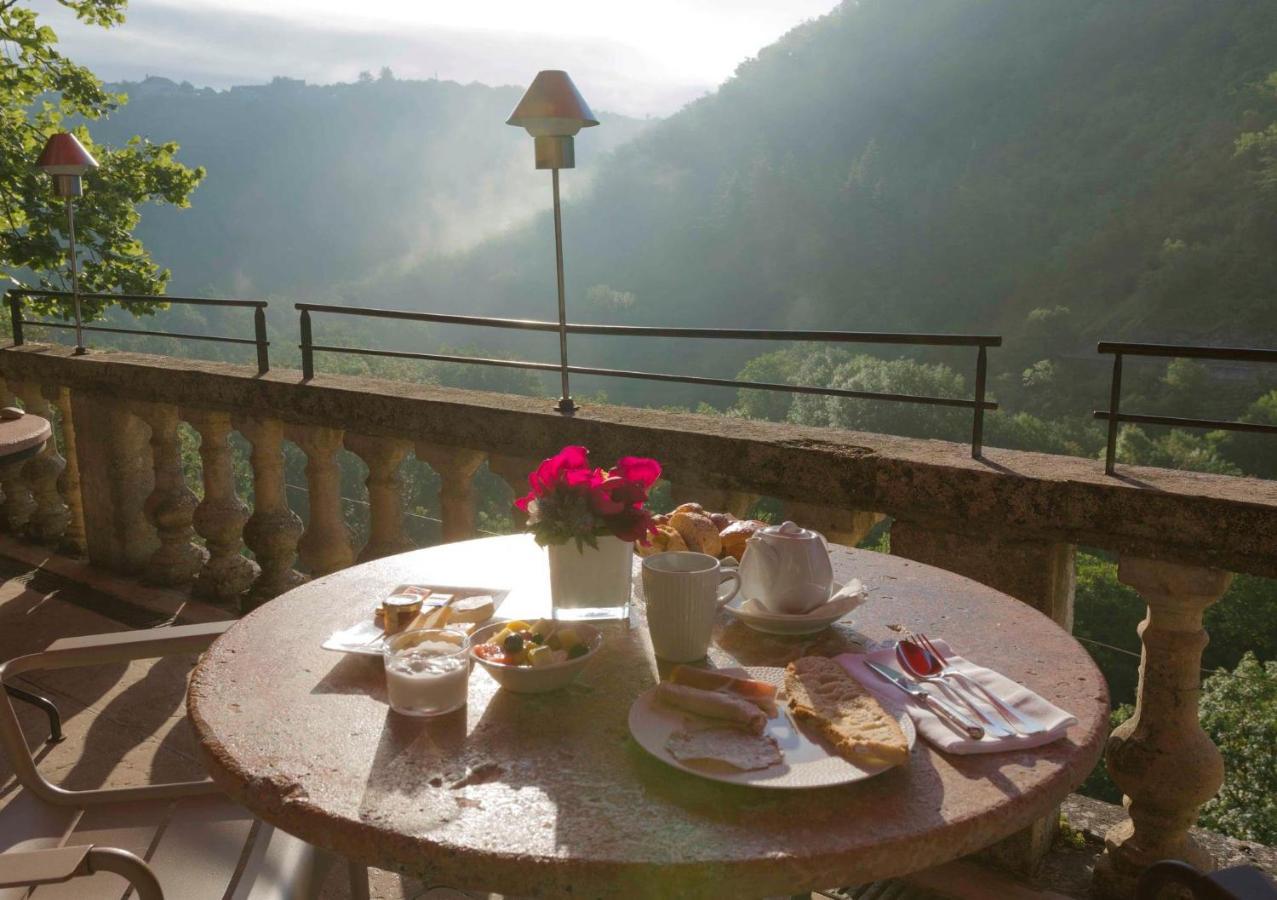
[{"x": 956, "y": 717}]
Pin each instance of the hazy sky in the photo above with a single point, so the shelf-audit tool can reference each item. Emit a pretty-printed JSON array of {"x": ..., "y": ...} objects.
[{"x": 641, "y": 57}]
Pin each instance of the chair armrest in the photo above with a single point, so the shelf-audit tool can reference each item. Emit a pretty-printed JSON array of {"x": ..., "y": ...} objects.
[
  {"x": 122, "y": 646},
  {"x": 90, "y": 650},
  {"x": 35, "y": 867}
]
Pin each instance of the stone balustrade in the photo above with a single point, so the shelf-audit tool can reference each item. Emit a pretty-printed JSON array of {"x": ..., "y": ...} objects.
[{"x": 115, "y": 487}]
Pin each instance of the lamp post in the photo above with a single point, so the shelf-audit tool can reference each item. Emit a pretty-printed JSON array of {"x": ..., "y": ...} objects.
[
  {"x": 64, "y": 159},
  {"x": 552, "y": 111}
]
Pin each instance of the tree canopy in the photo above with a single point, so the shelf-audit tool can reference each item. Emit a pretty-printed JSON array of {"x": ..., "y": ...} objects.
[{"x": 41, "y": 92}]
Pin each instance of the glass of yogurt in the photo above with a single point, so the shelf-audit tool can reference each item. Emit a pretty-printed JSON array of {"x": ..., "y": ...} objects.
[{"x": 427, "y": 671}]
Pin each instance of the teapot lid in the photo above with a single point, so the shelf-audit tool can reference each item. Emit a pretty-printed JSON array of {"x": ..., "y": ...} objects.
[{"x": 790, "y": 530}]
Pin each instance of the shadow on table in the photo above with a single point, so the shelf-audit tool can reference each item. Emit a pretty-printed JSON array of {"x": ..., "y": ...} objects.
[{"x": 355, "y": 674}]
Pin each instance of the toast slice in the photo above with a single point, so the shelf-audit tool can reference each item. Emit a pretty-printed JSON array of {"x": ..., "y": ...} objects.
[{"x": 822, "y": 692}]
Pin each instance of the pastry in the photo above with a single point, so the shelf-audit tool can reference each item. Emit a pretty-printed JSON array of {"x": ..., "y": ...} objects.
[
  {"x": 721, "y": 520},
  {"x": 822, "y": 692},
  {"x": 698, "y": 532},
  {"x": 735, "y": 536},
  {"x": 690, "y": 508},
  {"x": 661, "y": 540}
]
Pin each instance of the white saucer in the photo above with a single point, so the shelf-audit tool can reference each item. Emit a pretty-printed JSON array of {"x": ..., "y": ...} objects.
[{"x": 818, "y": 619}]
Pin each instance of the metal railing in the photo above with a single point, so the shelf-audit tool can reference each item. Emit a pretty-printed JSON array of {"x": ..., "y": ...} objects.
[
  {"x": 979, "y": 404},
  {"x": 1115, "y": 416},
  {"x": 16, "y": 296}
]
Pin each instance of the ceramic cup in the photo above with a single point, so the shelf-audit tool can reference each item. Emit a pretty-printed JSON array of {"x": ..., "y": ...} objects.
[{"x": 683, "y": 591}]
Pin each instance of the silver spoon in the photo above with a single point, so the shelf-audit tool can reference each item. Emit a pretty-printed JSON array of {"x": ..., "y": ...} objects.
[{"x": 907, "y": 662}]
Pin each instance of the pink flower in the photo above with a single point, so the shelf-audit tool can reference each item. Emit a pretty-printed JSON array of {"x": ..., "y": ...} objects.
[
  {"x": 638, "y": 469},
  {"x": 567, "y": 460},
  {"x": 570, "y": 499}
]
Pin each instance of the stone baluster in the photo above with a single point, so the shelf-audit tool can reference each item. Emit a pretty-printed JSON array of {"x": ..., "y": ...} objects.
[
  {"x": 384, "y": 457},
  {"x": 1163, "y": 761},
  {"x": 456, "y": 468},
  {"x": 171, "y": 504},
  {"x": 738, "y": 503},
  {"x": 272, "y": 531},
  {"x": 325, "y": 545},
  {"x": 847, "y": 527},
  {"x": 219, "y": 519},
  {"x": 113, "y": 452},
  {"x": 18, "y": 504},
  {"x": 73, "y": 542},
  {"x": 51, "y": 514},
  {"x": 514, "y": 471}
]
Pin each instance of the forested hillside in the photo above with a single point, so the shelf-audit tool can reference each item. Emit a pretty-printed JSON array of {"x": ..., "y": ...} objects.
[
  {"x": 312, "y": 185},
  {"x": 907, "y": 164}
]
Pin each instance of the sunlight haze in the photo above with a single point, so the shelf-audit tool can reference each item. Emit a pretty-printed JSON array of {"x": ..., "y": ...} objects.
[{"x": 637, "y": 59}]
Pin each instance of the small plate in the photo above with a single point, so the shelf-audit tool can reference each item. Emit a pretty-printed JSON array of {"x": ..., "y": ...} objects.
[
  {"x": 807, "y": 762},
  {"x": 807, "y": 623},
  {"x": 364, "y": 638}
]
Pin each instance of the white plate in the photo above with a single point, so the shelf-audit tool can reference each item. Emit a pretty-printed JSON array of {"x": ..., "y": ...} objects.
[
  {"x": 807, "y": 761},
  {"x": 780, "y": 623},
  {"x": 365, "y": 638}
]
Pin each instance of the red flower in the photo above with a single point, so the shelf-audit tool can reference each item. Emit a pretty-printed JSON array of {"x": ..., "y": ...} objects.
[
  {"x": 639, "y": 469},
  {"x": 575, "y": 500}
]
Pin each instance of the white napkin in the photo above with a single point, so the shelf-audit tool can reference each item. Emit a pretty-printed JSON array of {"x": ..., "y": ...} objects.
[
  {"x": 942, "y": 735},
  {"x": 847, "y": 598}
]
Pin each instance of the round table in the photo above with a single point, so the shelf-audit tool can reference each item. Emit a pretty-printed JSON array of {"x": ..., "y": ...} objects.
[{"x": 547, "y": 794}]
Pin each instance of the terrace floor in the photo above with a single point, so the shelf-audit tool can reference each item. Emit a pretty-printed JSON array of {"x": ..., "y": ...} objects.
[{"x": 133, "y": 718}]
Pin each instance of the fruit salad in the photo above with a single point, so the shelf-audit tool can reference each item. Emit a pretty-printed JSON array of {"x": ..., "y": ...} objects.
[{"x": 543, "y": 643}]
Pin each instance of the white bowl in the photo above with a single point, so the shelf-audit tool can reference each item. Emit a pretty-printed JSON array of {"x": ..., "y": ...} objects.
[{"x": 536, "y": 679}]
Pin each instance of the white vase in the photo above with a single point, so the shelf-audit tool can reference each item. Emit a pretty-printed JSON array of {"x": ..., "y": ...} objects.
[{"x": 590, "y": 583}]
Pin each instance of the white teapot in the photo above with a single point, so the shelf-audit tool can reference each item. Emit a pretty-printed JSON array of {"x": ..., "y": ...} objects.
[{"x": 787, "y": 569}]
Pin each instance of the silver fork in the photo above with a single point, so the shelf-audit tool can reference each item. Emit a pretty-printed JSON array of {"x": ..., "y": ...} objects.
[{"x": 1024, "y": 723}]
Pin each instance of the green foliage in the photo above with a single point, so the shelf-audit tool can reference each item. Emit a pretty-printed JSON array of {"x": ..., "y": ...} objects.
[
  {"x": 42, "y": 91},
  {"x": 1239, "y": 712},
  {"x": 1255, "y": 454},
  {"x": 1174, "y": 450}
]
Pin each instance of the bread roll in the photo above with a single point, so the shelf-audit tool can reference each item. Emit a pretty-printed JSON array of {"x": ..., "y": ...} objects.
[
  {"x": 698, "y": 532},
  {"x": 690, "y": 508},
  {"x": 735, "y": 536},
  {"x": 662, "y": 540},
  {"x": 721, "y": 520}
]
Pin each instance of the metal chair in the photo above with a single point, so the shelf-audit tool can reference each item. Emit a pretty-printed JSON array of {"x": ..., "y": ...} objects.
[
  {"x": 1237, "y": 883},
  {"x": 181, "y": 840}
]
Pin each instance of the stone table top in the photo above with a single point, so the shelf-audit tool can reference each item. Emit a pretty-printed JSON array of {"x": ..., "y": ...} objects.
[
  {"x": 23, "y": 435},
  {"x": 545, "y": 795}
]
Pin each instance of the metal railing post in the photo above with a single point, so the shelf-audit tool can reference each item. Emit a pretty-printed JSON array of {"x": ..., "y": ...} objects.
[
  {"x": 977, "y": 426},
  {"x": 15, "y": 313},
  {"x": 1115, "y": 399},
  {"x": 308, "y": 355},
  {"x": 565, "y": 404},
  {"x": 263, "y": 345}
]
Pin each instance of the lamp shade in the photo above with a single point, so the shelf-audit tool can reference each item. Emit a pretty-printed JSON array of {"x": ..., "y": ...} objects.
[
  {"x": 64, "y": 155},
  {"x": 552, "y": 107}
]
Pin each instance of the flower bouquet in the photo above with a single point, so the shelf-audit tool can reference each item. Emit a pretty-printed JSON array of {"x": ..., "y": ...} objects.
[{"x": 589, "y": 519}]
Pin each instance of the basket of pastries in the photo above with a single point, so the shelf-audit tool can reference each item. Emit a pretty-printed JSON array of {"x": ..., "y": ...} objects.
[{"x": 691, "y": 527}]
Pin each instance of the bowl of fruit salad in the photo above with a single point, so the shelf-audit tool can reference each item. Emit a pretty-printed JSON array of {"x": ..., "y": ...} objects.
[{"x": 534, "y": 657}]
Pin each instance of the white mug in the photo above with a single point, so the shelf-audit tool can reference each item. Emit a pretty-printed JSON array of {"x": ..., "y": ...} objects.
[{"x": 683, "y": 591}]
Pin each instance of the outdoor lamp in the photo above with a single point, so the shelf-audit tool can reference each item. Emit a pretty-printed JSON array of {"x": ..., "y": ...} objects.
[
  {"x": 553, "y": 110},
  {"x": 65, "y": 160}
]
